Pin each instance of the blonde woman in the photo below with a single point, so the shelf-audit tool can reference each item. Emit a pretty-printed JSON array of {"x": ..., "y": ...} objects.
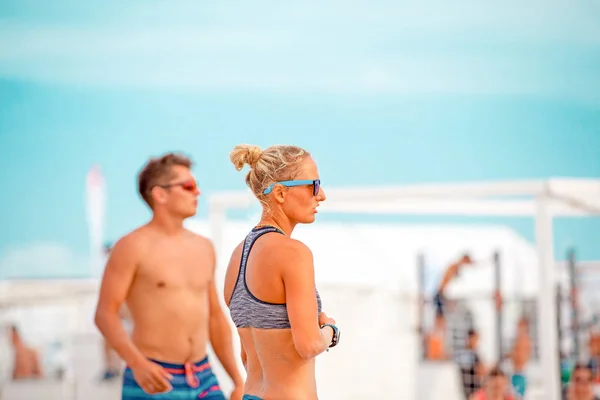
[{"x": 270, "y": 281}]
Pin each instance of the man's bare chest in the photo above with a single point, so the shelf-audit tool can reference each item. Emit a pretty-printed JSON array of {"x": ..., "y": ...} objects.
[{"x": 176, "y": 271}]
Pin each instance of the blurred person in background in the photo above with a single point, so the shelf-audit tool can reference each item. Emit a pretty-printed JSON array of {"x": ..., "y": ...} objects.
[
  {"x": 451, "y": 319},
  {"x": 436, "y": 340},
  {"x": 472, "y": 369},
  {"x": 495, "y": 387},
  {"x": 270, "y": 280},
  {"x": 27, "y": 360},
  {"x": 165, "y": 274},
  {"x": 451, "y": 272},
  {"x": 519, "y": 357},
  {"x": 594, "y": 350},
  {"x": 580, "y": 386}
]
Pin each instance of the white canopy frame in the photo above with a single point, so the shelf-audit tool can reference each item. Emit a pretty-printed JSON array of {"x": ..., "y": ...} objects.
[
  {"x": 32, "y": 292},
  {"x": 541, "y": 200}
]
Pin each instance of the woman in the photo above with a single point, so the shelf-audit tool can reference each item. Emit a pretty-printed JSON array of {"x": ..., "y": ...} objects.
[{"x": 270, "y": 281}]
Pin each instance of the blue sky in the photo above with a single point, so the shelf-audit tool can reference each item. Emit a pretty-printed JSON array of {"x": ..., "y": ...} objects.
[{"x": 381, "y": 92}]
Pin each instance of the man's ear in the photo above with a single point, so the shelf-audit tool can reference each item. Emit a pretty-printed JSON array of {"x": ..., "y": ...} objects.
[{"x": 159, "y": 196}]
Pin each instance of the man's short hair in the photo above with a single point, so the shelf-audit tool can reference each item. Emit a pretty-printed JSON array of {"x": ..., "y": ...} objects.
[
  {"x": 14, "y": 330},
  {"x": 158, "y": 171},
  {"x": 582, "y": 366},
  {"x": 496, "y": 372}
]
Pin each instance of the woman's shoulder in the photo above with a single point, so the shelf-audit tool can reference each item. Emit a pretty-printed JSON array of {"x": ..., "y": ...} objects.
[
  {"x": 297, "y": 248},
  {"x": 287, "y": 245},
  {"x": 293, "y": 257}
]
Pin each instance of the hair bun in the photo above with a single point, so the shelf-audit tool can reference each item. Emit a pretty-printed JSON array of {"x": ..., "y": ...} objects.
[{"x": 245, "y": 154}]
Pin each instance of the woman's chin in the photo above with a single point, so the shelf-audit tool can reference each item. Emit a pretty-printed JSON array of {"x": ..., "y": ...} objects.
[{"x": 310, "y": 219}]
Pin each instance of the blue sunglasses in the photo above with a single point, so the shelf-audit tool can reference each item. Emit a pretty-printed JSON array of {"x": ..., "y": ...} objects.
[{"x": 316, "y": 184}]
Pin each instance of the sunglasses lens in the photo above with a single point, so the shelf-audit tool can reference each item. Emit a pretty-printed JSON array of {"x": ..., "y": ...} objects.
[
  {"x": 316, "y": 187},
  {"x": 189, "y": 186}
]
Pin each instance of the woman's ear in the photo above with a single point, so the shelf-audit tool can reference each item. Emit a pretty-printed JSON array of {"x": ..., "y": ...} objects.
[{"x": 279, "y": 194}]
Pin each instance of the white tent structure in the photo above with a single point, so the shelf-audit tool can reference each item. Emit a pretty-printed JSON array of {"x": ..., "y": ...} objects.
[
  {"x": 540, "y": 200},
  {"x": 43, "y": 291}
]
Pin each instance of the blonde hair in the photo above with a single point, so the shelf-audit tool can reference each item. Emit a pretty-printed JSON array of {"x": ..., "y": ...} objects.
[{"x": 274, "y": 164}]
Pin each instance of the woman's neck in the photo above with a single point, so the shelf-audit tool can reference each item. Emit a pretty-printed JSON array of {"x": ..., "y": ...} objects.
[{"x": 282, "y": 224}]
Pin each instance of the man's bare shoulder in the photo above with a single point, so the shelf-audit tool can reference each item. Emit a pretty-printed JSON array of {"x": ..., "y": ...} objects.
[
  {"x": 133, "y": 242},
  {"x": 200, "y": 240}
]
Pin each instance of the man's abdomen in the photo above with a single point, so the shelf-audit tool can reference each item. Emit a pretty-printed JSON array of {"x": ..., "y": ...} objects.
[{"x": 170, "y": 330}]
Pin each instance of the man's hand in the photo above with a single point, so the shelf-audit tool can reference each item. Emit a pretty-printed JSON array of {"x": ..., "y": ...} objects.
[
  {"x": 237, "y": 393},
  {"x": 152, "y": 378},
  {"x": 466, "y": 260},
  {"x": 455, "y": 268}
]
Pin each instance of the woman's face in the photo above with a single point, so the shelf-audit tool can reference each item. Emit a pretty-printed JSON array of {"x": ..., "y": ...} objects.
[{"x": 300, "y": 202}]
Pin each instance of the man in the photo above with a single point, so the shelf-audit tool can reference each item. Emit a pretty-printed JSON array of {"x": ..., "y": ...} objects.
[
  {"x": 455, "y": 318},
  {"x": 450, "y": 273},
  {"x": 594, "y": 350},
  {"x": 27, "y": 362},
  {"x": 471, "y": 368},
  {"x": 580, "y": 386},
  {"x": 166, "y": 276},
  {"x": 436, "y": 339}
]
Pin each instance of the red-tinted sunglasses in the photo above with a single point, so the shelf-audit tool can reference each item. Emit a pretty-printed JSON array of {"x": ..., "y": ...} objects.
[{"x": 189, "y": 185}]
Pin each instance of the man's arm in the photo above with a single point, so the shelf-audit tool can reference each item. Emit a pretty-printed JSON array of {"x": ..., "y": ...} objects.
[
  {"x": 37, "y": 368},
  {"x": 118, "y": 276},
  {"x": 221, "y": 338},
  {"x": 452, "y": 271},
  {"x": 481, "y": 370}
]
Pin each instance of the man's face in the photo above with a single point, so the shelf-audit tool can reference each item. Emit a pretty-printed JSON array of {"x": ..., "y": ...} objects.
[
  {"x": 179, "y": 196},
  {"x": 595, "y": 345},
  {"x": 496, "y": 386},
  {"x": 581, "y": 382},
  {"x": 523, "y": 326},
  {"x": 473, "y": 340}
]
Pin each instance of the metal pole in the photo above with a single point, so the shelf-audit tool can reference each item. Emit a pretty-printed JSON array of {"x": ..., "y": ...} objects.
[
  {"x": 421, "y": 297},
  {"x": 498, "y": 305},
  {"x": 547, "y": 299},
  {"x": 573, "y": 303},
  {"x": 559, "y": 328}
]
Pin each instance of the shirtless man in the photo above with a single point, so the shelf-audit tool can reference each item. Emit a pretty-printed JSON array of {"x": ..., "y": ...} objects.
[
  {"x": 27, "y": 363},
  {"x": 166, "y": 276}
]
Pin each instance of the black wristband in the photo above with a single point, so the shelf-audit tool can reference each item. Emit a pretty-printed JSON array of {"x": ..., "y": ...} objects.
[{"x": 336, "y": 334}]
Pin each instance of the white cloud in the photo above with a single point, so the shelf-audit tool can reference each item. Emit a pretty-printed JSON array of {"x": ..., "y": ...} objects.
[{"x": 40, "y": 260}]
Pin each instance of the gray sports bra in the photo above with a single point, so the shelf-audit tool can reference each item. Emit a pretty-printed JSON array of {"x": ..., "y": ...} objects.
[{"x": 249, "y": 311}]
